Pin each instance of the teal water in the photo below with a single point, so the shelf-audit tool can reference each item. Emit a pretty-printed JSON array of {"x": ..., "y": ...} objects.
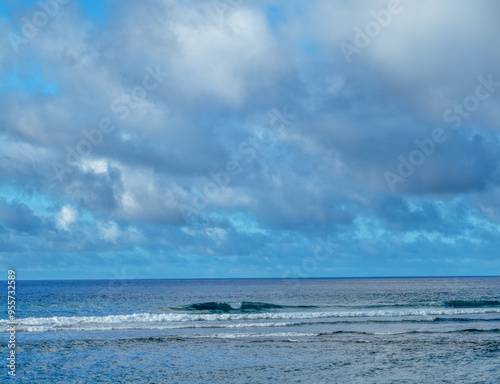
[{"x": 423, "y": 330}]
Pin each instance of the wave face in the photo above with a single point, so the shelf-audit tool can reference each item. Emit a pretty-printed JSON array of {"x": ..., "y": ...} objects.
[
  {"x": 472, "y": 304},
  {"x": 236, "y": 307}
]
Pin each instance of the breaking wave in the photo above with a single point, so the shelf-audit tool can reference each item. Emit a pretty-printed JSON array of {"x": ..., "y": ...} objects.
[{"x": 252, "y": 313}]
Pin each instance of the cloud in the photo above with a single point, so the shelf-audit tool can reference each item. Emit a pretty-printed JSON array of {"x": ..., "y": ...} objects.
[
  {"x": 19, "y": 217},
  {"x": 66, "y": 217}
]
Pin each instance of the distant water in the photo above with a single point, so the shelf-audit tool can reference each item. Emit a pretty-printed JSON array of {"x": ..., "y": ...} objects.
[{"x": 424, "y": 330}]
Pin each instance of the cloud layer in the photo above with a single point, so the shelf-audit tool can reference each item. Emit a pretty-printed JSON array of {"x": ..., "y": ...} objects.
[{"x": 229, "y": 139}]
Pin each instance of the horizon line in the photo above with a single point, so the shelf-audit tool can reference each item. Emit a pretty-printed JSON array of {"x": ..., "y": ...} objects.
[{"x": 276, "y": 278}]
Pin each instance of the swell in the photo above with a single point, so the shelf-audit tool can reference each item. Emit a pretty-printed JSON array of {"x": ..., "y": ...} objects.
[
  {"x": 237, "y": 307},
  {"x": 472, "y": 304},
  {"x": 251, "y": 307}
]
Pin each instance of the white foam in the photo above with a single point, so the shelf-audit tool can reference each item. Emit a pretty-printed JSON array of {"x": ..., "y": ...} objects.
[
  {"x": 144, "y": 320},
  {"x": 143, "y": 326},
  {"x": 248, "y": 335}
]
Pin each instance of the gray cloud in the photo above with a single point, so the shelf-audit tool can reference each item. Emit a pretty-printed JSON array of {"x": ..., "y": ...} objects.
[{"x": 324, "y": 174}]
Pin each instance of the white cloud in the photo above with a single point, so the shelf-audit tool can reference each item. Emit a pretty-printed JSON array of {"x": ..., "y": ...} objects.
[
  {"x": 108, "y": 231},
  {"x": 66, "y": 217},
  {"x": 223, "y": 57}
]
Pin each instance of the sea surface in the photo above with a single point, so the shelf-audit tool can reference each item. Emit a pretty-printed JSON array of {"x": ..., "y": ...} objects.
[{"x": 397, "y": 330}]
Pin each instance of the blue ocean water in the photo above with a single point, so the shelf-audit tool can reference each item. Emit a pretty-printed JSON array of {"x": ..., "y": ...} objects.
[{"x": 398, "y": 330}]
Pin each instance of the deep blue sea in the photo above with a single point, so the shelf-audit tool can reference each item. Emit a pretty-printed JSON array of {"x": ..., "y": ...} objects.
[{"x": 397, "y": 330}]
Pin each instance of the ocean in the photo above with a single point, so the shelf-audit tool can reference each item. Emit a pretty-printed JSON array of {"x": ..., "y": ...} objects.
[{"x": 380, "y": 330}]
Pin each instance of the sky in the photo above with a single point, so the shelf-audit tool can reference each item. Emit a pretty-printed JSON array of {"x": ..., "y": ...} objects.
[{"x": 234, "y": 139}]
